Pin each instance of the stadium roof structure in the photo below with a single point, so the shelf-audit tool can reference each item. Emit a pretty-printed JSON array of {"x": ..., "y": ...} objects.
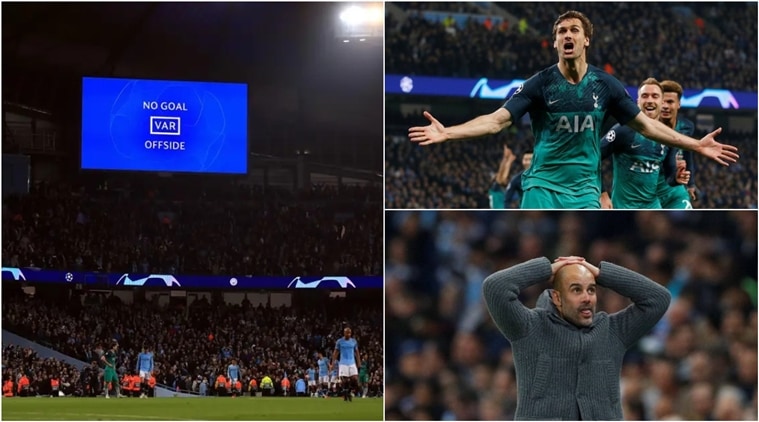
[{"x": 295, "y": 68}]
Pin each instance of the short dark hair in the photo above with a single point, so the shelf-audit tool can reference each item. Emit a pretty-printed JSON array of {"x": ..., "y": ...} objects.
[
  {"x": 587, "y": 26},
  {"x": 672, "y": 86}
]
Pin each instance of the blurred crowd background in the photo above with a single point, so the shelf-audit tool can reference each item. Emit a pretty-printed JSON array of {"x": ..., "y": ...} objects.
[
  {"x": 696, "y": 44},
  {"x": 700, "y": 45},
  {"x": 446, "y": 360}
]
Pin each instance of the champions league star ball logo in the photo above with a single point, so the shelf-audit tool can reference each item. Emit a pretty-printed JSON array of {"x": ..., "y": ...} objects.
[{"x": 343, "y": 282}]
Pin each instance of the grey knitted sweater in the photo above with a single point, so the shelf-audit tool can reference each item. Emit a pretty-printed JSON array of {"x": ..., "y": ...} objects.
[{"x": 565, "y": 372}]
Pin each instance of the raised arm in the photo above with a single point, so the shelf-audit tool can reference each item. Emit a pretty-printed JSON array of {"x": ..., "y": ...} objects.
[
  {"x": 435, "y": 132},
  {"x": 504, "y": 169},
  {"x": 650, "y": 301},
  {"x": 501, "y": 291},
  {"x": 707, "y": 146}
]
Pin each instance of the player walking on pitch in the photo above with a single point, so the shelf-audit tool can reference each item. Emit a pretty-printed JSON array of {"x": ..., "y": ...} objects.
[
  {"x": 109, "y": 374},
  {"x": 568, "y": 103},
  {"x": 145, "y": 370},
  {"x": 350, "y": 359}
]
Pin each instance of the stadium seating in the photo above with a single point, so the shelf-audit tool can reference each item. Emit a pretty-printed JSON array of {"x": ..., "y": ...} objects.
[
  {"x": 175, "y": 227},
  {"x": 698, "y": 45}
]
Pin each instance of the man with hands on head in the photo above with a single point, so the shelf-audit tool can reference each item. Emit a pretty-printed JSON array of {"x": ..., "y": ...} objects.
[{"x": 567, "y": 356}]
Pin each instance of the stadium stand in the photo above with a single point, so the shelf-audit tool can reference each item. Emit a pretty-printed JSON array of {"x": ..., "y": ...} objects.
[
  {"x": 695, "y": 44},
  {"x": 181, "y": 227},
  {"x": 446, "y": 360}
]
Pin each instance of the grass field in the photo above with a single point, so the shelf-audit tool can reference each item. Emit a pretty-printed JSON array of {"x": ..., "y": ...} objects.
[{"x": 207, "y": 408}]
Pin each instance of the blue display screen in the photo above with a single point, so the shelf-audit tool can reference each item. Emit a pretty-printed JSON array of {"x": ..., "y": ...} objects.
[{"x": 167, "y": 126}]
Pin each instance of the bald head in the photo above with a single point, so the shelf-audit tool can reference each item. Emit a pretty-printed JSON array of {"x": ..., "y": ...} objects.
[
  {"x": 574, "y": 294},
  {"x": 571, "y": 272}
]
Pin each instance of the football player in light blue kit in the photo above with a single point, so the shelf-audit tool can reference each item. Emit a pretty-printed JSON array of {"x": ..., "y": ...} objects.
[
  {"x": 568, "y": 103},
  {"x": 323, "y": 364},
  {"x": 311, "y": 380},
  {"x": 145, "y": 370},
  {"x": 350, "y": 359},
  {"x": 233, "y": 373}
]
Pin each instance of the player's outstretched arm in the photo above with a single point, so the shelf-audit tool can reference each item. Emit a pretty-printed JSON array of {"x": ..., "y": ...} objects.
[
  {"x": 707, "y": 146},
  {"x": 435, "y": 132}
]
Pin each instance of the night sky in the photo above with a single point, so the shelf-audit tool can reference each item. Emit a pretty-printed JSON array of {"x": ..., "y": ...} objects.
[{"x": 299, "y": 75}]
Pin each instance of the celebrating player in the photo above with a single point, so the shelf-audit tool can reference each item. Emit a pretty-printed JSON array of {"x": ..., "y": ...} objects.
[
  {"x": 348, "y": 366},
  {"x": 638, "y": 161},
  {"x": 501, "y": 192},
  {"x": 145, "y": 370},
  {"x": 568, "y": 103},
  {"x": 676, "y": 197}
]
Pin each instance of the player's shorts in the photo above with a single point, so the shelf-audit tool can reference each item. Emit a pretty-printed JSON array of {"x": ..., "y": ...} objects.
[
  {"x": 324, "y": 379},
  {"x": 347, "y": 370},
  {"x": 676, "y": 198},
  {"x": 234, "y": 382},
  {"x": 334, "y": 380},
  {"x": 626, "y": 205},
  {"x": 110, "y": 376},
  {"x": 311, "y": 382},
  {"x": 144, "y": 374},
  {"x": 542, "y": 198},
  {"x": 363, "y": 379}
]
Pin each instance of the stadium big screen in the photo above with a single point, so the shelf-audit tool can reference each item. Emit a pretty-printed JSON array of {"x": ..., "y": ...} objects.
[{"x": 167, "y": 126}]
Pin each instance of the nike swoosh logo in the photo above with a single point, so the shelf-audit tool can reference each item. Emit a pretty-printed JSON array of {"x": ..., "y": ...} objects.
[
  {"x": 552, "y": 102},
  {"x": 633, "y": 146}
]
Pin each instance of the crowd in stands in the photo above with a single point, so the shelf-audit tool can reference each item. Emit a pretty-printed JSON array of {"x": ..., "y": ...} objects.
[
  {"x": 459, "y": 174},
  {"x": 31, "y": 375},
  {"x": 193, "y": 344},
  {"x": 157, "y": 226},
  {"x": 446, "y": 359},
  {"x": 700, "y": 45}
]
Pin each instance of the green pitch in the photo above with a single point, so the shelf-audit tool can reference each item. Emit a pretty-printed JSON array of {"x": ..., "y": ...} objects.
[{"x": 209, "y": 408}]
